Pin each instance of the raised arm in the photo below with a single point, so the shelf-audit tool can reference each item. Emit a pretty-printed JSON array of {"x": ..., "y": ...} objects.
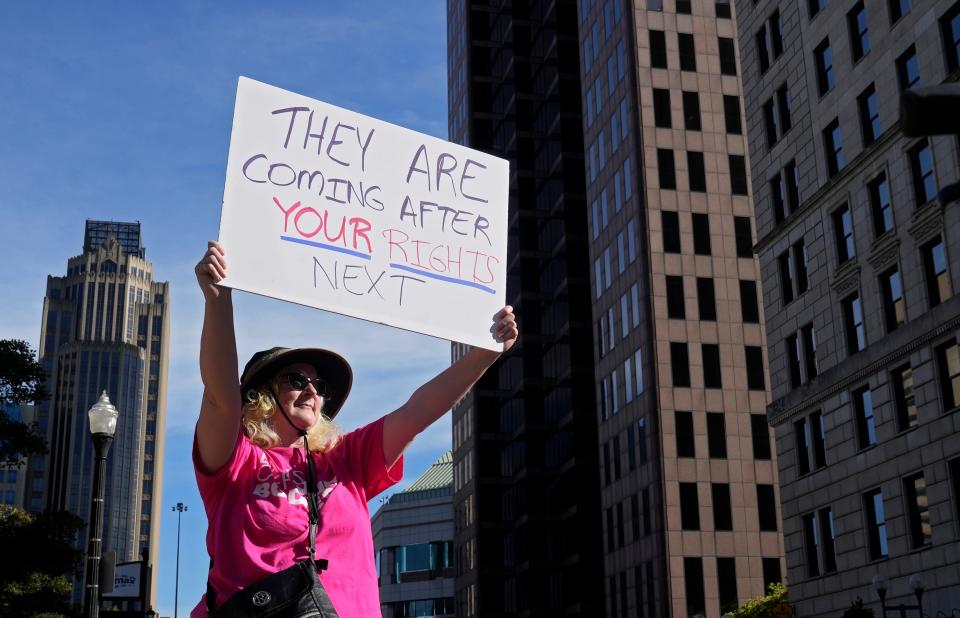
[
  {"x": 220, "y": 409},
  {"x": 433, "y": 399}
]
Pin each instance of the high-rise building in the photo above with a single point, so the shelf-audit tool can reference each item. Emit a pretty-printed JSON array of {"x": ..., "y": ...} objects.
[
  {"x": 413, "y": 541},
  {"x": 633, "y": 406},
  {"x": 105, "y": 327},
  {"x": 861, "y": 266}
]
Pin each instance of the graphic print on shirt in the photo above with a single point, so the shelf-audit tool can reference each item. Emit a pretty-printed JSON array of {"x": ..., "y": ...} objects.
[{"x": 289, "y": 484}]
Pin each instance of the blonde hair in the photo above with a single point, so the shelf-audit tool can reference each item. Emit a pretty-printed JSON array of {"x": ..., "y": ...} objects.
[{"x": 259, "y": 408}]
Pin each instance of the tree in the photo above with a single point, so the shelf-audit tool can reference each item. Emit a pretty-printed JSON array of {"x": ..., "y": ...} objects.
[
  {"x": 34, "y": 579},
  {"x": 21, "y": 381},
  {"x": 761, "y": 607},
  {"x": 857, "y": 610}
]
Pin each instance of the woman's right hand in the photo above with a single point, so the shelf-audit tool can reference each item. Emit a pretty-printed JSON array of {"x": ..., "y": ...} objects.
[{"x": 210, "y": 270}]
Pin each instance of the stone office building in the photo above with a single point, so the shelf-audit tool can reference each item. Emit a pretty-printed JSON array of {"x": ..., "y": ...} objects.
[
  {"x": 861, "y": 266},
  {"x": 618, "y": 462}
]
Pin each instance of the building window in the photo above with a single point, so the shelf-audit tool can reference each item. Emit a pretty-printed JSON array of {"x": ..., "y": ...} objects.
[
  {"x": 811, "y": 542},
  {"x": 950, "y": 29},
  {"x": 808, "y": 339},
  {"x": 684, "y": 429},
  {"x": 783, "y": 109},
  {"x": 701, "y": 233},
  {"x": 728, "y": 57},
  {"x": 791, "y": 176},
  {"x": 763, "y": 49},
  {"x": 793, "y": 271},
  {"x": 754, "y": 362},
  {"x": 731, "y": 114},
  {"x": 680, "y": 363},
  {"x": 801, "y": 435},
  {"x": 716, "y": 435},
  {"x": 792, "y": 350},
  {"x": 675, "y": 301},
  {"x": 696, "y": 171},
  {"x": 819, "y": 540},
  {"x": 749, "y": 306},
  {"x": 882, "y": 209},
  {"x": 955, "y": 483},
  {"x": 935, "y": 272},
  {"x": 876, "y": 524},
  {"x": 908, "y": 69},
  {"x": 843, "y": 234},
  {"x": 814, "y": 7},
  {"x": 766, "y": 508},
  {"x": 770, "y": 123},
  {"x": 661, "y": 108},
  {"x": 722, "y": 511},
  {"x": 760, "y": 436},
  {"x": 743, "y": 232},
  {"x": 691, "y": 111},
  {"x": 711, "y": 365},
  {"x": 688, "y": 54},
  {"x": 693, "y": 586},
  {"x": 684, "y": 7},
  {"x": 863, "y": 409},
  {"x": 689, "y": 507},
  {"x": 771, "y": 572},
  {"x": 853, "y": 323},
  {"x": 948, "y": 366},
  {"x": 727, "y": 584},
  {"x": 833, "y": 146},
  {"x": 869, "y": 115},
  {"x": 671, "y": 231},
  {"x": 823, "y": 60},
  {"x": 658, "y": 49},
  {"x": 778, "y": 197},
  {"x": 918, "y": 511},
  {"x": 776, "y": 33},
  {"x": 898, "y": 8},
  {"x": 722, "y": 9},
  {"x": 894, "y": 307},
  {"x": 921, "y": 169},
  {"x": 859, "y": 32},
  {"x": 668, "y": 175},
  {"x": 904, "y": 399},
  {"x": 738, "y": 174},
  {"x": 706, "y": 299}
]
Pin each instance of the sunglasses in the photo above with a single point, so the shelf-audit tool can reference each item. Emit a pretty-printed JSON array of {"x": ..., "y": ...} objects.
[{"x": 299, "y": 382}]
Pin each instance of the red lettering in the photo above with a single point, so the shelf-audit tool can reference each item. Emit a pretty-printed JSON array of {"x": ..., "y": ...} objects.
[
  {"x": 437, "y": 263},
  {"x": 296, "y": 222},
  {"x": 286, "y": 212},
  {"x": 326, "y": 227},
  {"x": 360, "y": 229},
  {"x": 416, "y": 245},
  {"x": 391, "y": 243}
]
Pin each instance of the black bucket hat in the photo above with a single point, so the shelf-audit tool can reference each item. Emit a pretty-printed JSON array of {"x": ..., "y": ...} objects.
[{"x": 329, "y": 365}]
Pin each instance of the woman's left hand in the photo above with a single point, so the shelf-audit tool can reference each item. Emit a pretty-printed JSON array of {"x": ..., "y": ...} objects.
[{"x": 504, "y": 328}]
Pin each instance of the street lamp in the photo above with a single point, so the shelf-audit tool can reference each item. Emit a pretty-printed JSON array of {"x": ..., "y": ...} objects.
[
  {"x": 180, "y": 508},
  {"x": 916, "y": 584},
  {"x": 103, "y": 424}
]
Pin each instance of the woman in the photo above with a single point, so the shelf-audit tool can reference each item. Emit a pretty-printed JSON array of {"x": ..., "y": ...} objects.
[{"x": 252, "y": 469}]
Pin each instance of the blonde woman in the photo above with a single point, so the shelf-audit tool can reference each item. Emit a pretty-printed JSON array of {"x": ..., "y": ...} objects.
[{"x": 265, "y": 441}]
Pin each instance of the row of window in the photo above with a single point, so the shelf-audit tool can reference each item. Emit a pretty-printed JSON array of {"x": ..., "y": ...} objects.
[
  {"x": 636, "y": 452},
  {"x": 663, "y": 116},
  {"x": 722, "y": 509},
  {"x": 688, "y": 53},
  {"x": 728, "y": 598},
  {"x": 700, "y": 226},
  {"x": 706, "y": 299},
  {"x": 697, "y": 173},
  {"x": 610, "y": 386},
  {"x": 641, "y": 523},
  {"x": 644, "y": 593},
  {"x": 717, "y": 435},
  {"x": 892, "y": 296},
  {"x": 712, "y": 375},
  {"x": 819, "y": 535}
]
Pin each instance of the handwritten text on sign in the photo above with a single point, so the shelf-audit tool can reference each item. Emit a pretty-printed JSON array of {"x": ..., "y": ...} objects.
[{"x": 332, "y": 209}]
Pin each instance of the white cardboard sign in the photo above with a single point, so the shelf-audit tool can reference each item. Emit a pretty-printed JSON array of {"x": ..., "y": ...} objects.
[{"x": 332, "y": 209}]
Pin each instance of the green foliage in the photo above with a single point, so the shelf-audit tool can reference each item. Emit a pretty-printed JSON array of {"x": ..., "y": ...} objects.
[
  {"x": 857, "y": 610},
  {"x": 40, "y": 556},
  {"x": 761, "y": 607},
  {"x": 21, "y": 381}
]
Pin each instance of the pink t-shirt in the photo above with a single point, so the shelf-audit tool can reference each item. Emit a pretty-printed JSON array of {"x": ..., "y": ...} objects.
[{"x": 258, "y": 519}]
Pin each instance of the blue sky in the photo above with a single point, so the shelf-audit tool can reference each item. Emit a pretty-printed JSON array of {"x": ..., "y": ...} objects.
[{"x": 122, "y": 111}]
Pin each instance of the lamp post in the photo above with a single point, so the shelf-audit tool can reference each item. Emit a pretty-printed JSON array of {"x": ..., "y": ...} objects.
[
  {"x": 180, "y": 508},
  {"x": 103, "y": 424},
  {"x": 916, "y": 584}
]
